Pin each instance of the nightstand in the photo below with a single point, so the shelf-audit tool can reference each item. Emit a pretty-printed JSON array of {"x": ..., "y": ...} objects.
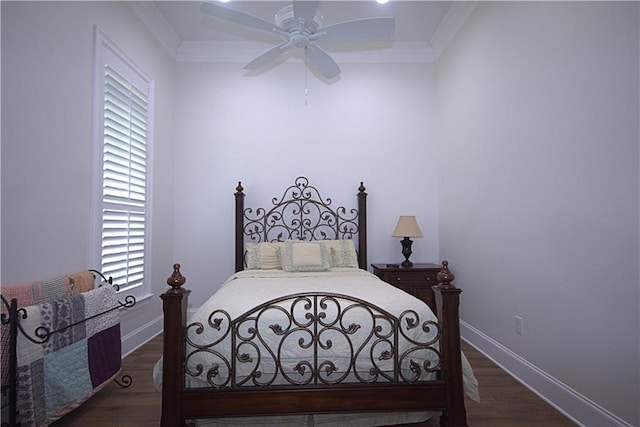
[{"x": 416, "y": 280}]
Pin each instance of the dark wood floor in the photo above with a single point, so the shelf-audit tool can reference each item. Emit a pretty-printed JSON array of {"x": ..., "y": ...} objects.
[{"x": 504, "y": 401}]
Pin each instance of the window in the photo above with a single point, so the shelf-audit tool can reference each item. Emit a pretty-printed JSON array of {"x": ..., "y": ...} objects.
[{"x": 122, "y": 143}]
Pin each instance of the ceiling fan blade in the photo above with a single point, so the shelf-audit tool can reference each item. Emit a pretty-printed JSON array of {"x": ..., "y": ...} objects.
[
  {"x": 268, "y": 56},
  {"x": 232, "y": 15},
  {"x": 304, "y": 11},
  {"x": 358, "y": 30},
  {"x": 322, "y": 62}
]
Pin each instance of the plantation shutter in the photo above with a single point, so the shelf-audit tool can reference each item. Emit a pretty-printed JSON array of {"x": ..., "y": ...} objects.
[{"x": 124, "y": 180}]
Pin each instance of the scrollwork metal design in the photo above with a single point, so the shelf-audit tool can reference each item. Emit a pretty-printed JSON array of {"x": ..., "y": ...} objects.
[
  {"x": 301, "y": 213},
  {"x": 312, "y": 340}
]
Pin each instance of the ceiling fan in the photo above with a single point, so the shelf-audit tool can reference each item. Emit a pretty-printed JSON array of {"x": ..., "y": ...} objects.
[{"x": 300, "y": 26}]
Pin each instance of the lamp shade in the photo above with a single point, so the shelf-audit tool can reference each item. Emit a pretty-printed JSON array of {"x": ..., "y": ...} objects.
[{"x": 407, "y": 227}]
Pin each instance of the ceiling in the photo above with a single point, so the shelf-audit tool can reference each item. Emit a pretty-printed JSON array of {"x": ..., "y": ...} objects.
[
  {"x": 415, "y": 20},
  {"x": 423, "y": 28}
]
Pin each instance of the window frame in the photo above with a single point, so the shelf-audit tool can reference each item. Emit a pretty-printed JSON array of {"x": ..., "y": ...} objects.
[{"x": 107, "y": 53}]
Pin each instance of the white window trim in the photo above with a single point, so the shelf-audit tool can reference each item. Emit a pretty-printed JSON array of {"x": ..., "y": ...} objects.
[{"x": 103, "y": 48}]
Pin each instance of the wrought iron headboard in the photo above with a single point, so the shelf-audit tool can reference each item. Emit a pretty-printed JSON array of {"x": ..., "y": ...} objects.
[{"x": 301, "y": 213}]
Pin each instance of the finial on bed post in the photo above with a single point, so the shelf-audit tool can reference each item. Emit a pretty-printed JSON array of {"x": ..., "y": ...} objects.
[
  {"x": 176, "y": 280},
  {"x": 445, "y": 277},
  {"x": 362, "y": 227}
]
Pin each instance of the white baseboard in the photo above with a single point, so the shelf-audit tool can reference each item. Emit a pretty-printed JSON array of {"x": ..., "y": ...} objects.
[
  {"x": 575, "y": 406},
  {"x": 137, "y": 338}
]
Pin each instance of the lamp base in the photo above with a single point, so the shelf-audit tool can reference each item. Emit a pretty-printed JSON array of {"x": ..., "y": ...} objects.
[
  {"x": 406, "y": 263},
  {"x": 406, "y": 251}
]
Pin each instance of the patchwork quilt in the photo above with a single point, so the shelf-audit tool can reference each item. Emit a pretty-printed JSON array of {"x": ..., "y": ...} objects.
[
  {"x": 44, "y": 290},
  {"x": 75, "y": 362}
]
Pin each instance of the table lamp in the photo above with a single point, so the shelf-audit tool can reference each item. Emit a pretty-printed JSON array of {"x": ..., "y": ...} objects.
[{"x": 407, "y": 227}]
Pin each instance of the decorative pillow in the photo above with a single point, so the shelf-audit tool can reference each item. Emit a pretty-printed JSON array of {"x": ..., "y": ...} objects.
[
  {"x": 304, "y": 256},
  {"x": 343, "y": 253},
  {"x": 263, "y": 256}
]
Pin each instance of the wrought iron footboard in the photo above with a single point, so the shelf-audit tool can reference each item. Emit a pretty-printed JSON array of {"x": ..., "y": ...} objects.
[{"x": 311, "y": 340}]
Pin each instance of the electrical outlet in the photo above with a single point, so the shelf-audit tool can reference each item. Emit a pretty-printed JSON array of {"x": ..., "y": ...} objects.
[{"x": 519, "y": 325}]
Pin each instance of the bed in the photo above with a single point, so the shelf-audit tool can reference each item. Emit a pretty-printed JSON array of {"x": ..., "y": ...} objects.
[{"x": 303, "y": 334}]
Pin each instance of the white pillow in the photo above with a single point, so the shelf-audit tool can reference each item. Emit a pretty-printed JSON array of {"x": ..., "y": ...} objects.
[
  {"x": 263, "y": 256},
  {"x": 343, "y": 253},
  {"x": 304, "y": 256}
]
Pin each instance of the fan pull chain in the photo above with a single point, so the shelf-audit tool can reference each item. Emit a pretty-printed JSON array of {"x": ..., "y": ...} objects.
[{"x": 306, "y": 86}]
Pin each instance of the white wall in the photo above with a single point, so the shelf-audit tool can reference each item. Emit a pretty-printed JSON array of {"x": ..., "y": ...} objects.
[
  {"x": 374, "y": 125},
  {"x": 538, "y": 116},
  {"x": 47, "y": 54}
]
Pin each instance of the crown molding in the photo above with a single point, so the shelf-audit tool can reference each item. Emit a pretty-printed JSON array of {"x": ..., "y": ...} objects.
[
  {"x": 155, "y": 22},
  {"x": 245, "y": 51},
  {"x": 450, "y": 25}
]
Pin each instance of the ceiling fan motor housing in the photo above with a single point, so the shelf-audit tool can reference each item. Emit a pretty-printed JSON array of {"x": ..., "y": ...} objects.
[{"x": 285, "y": 19}]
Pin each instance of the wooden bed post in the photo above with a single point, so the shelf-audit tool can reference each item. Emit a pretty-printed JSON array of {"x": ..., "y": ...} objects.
[
  {"x": 447, "y": 303},
  {"x": 239, "y": 236},
  {"x": 174, "y": 305},
  {"x": 362, "y": 227}
]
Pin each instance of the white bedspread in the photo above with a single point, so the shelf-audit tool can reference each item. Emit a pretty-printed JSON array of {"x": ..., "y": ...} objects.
[{"x": 275, "y": 283}]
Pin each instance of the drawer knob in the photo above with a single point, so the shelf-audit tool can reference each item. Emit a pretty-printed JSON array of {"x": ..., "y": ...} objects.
[{"x": 428, "y": 278}]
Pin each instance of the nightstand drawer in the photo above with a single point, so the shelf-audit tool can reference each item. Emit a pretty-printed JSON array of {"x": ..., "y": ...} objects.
[{"x": 413, "y": 278}]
